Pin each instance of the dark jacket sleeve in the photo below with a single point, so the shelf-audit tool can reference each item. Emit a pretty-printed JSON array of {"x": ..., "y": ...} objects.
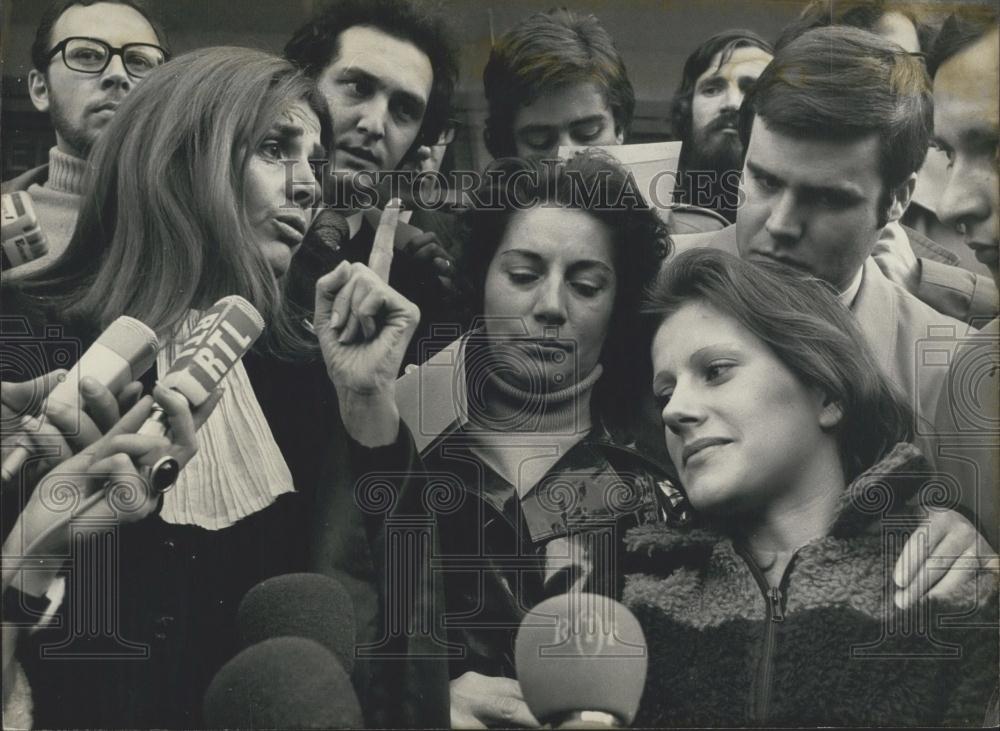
[{"x": 408, "y": 656}]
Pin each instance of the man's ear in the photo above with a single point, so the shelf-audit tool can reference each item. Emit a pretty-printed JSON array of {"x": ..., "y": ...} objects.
[
  {"x": 902, "y": 194},
  {"x": 831, "y": 414},
  {"x": 619, "y": 135},
  {"x": 38, "y": 90}
]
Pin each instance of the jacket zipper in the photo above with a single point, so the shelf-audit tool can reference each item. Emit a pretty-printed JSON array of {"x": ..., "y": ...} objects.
[{"x": 774, "y": 600}]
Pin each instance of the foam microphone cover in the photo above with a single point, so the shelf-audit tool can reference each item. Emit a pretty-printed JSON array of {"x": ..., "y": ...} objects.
[
  {"x": 120, "y": 355},
  {"x": 282, "y": 683},
  {"x": 312, "y": 606},
  {"x": 329, "y": 229},
  {"x": 581, "y": 652}
]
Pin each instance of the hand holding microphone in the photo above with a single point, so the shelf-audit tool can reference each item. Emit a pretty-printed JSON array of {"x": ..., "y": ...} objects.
[
  {"x": 102, "y": 481},
  {"x": 221, "y": 338},
  {"x": 119, "y": 356},
  {"x": 483, "y": 701}
]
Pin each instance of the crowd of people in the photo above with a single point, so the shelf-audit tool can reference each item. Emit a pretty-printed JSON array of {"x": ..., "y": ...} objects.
[{"x": 765, "y": 420}]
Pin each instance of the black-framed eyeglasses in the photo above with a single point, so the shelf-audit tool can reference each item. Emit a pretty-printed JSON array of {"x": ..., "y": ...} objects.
[{"x": 92, "y": 55}]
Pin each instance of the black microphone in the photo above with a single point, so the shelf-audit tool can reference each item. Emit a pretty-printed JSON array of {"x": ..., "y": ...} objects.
[
  {"x": 312, "y": 606},
  {"x": 282, "y": 683},
  {"x": 581, "y": 661}
]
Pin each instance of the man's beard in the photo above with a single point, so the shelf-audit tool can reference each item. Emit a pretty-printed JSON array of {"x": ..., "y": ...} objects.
[
  {"x": 75, "y": 136},
  {"x": 711, "y": 161},
  {"x": 713, "y": 149}
]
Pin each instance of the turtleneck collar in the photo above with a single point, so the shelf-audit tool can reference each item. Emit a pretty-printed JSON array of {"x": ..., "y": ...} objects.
[
  {"x": 501, "y": 406},
  {"x": 66, "y": 173}
]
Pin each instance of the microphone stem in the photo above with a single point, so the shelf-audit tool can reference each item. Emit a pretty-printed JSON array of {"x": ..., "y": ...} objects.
[
  {"x": 156, "y": 425},
  {"x": 162, "y": 475}
]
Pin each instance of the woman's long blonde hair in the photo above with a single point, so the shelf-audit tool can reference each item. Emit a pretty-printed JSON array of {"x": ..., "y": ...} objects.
[{"x": 162, "y": 226}]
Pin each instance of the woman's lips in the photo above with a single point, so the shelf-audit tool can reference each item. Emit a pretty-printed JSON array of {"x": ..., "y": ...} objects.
[
  {"x": 700, "y": 446},
  {"x": 288, "y": 233}
]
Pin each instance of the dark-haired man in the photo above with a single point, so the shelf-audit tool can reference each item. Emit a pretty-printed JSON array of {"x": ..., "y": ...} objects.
[
  {"x": 86, "y": 57},
  {"x": 831, "y": 158},
  {"x": 387, "y": 70},
  {"x": 923, "y": 267},
  {"x": 555, "y": 79},
  {"x": 704, "y": 114}
]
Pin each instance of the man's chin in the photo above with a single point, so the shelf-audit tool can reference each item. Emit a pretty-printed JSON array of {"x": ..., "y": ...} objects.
[{"x": 719, "y": 152}]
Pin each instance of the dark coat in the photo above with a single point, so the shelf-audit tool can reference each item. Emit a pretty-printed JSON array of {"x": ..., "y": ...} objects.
[
  {"x": 173, "y": 590},
  {"x": 461, "y": 559}
]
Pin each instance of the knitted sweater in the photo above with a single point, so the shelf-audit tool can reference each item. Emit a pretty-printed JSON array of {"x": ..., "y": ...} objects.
[
  {"x": 828, "y": 647},
  {"x": 57, "y": 203}
]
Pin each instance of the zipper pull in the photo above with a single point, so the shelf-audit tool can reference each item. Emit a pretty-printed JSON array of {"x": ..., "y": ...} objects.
[{"x": 774, "y": 596}]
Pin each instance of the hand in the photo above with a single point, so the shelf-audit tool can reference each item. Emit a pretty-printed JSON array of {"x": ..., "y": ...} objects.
[
  {"x": 954, "y": 554},
  {"x": 481, "y": 701},
  {"x": 427, "y": 250},
  {"x": 110, "y": 466},
  {"x": 896, "y": 259},
  {"x": 44, "y": 426},
  {"x": 352, "y": 293}
]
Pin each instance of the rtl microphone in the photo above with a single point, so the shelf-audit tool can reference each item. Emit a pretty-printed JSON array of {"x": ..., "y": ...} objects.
[
  {"x": 119, "y": 356},
  {"x": 21, "y": 238},
  {"x": 311, "y": 606},
  {"x": 282, "y": 683},
  {"x": 581, "y": 662},
  {"x": 222, "y": 336}
]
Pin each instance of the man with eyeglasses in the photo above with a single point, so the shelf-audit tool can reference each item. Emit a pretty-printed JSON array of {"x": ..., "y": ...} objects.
[{"x": 86, "y": 57}]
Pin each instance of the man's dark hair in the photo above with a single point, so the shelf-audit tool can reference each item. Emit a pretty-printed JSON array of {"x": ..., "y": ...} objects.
[
  {"x": 316, "y": 44},
  {"x": 42, "y": 45},
  {"x": 842, "y": 83},
  {"x": 546, "y": 51},
  {"x": 959, "y": 31},
  {"x": 863, "y": 14},
  {"x": 697, "y": 63}
]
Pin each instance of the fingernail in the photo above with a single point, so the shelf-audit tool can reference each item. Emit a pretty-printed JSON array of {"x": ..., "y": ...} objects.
[
  {"x": 89, "y": 386},
  {"x": 901, "y": 599},
  {"x": 336, "y": 319}
]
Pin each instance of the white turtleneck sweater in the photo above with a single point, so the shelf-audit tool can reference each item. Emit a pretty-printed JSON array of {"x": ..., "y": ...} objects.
[
  {"x": 521, "y": 434},
  {"x": 57, "y": 204}
]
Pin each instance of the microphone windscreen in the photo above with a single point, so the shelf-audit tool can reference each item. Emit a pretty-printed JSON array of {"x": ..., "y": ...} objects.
[
  {"x": 330, "y": 229},
  {"x": 121, "y": 354},
  {"x": 581, "y": 652},
  {"x": 300, "y": 605},
  {"x": 222, "y": 336},
  {"x": 282, "y": 683}
]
